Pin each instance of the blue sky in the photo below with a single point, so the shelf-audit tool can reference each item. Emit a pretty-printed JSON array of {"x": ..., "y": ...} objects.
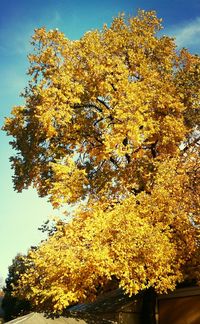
[{"x": 21, "y": 214}]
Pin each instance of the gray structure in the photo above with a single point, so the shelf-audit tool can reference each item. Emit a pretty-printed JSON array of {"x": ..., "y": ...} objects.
[
  {"x": 113, "y": 307},
  {"x": 36, "y": 318},
  {"x": 179, "y": 307}
]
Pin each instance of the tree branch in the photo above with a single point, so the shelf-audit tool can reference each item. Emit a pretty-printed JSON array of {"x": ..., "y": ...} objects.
[
  {"x": 89, "y": 105},
  {"x": 187, "y": 147},
  {"x": 103, "y": 103}
]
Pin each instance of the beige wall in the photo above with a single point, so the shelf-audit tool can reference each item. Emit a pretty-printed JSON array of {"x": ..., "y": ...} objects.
[{"x": 180, "y": 310}]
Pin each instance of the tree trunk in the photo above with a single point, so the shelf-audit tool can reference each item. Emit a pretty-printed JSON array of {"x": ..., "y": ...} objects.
[{"x": 148, "y": 314}]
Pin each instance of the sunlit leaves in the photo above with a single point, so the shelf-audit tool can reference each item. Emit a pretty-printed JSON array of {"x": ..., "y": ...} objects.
[{"x": 112, "y": 120}]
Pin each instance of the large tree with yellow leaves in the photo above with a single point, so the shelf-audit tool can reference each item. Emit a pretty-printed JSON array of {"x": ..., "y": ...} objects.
[{"x": 111, "y": 124}]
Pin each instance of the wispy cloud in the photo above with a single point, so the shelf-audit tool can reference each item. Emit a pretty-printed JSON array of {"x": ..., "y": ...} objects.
[
  {"x": 15, "y": 42},
  {"x": 16, "y": 39},
  {"x": 57, "y": 18},
  {"x": 187, "y": 34}
]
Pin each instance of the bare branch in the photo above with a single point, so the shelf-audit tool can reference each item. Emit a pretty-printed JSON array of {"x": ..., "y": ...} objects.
[
  {"x": 192, "y": 144},
  {"x": 88, "y": 105},
  {"x": 103, "y": 103}
]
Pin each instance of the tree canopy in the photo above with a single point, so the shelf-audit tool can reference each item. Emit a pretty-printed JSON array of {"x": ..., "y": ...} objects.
[{"x": 111, "y": 124}]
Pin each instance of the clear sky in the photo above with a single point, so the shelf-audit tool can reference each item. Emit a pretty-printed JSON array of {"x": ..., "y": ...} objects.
[{"x": 21, "y": 214}]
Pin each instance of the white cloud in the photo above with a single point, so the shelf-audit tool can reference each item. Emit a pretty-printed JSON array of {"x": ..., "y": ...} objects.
[
  {"x": 188, "y": 34},
  {"x": 57, "y": 18},
  {"x": 16, "y": 38},
  {"x": 16, "y": 41}
]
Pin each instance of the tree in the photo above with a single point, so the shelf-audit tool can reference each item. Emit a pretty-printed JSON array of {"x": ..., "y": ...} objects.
[
  {"x": 12, "y": 305},
  {"x": 111, "y": 124}
]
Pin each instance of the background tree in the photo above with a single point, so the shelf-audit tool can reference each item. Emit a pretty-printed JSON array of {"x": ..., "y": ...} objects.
[
  {"x": 1, "y": 298},
  {"x": 111, "y": 120},
  {"x": 12, "y": 305}
]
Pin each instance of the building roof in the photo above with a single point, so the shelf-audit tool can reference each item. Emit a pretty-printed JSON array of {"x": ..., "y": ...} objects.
[
  {"x": 113, "y": 301},
  {"x": 37, "y": 318},
  {"x": 106, "y": 308},
  {"x": 101, "y": 311}
]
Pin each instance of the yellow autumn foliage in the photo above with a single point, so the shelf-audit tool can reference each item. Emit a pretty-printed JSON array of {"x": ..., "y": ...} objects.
[{"x": 112, "y": 121}]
